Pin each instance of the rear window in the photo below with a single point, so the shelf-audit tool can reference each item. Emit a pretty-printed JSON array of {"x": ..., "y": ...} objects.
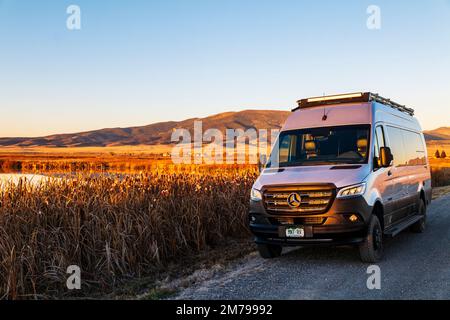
[{"x": 406, "y": 146}]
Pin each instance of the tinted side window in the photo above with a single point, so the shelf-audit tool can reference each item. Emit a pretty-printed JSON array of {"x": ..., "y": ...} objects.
[
  {"x": 415, "y": 151},
  {"x": 380, "y": 137},
  {"x": 379, "y": 142},
  {"x": 285, "y": 144},
  {"x": 397, "y": 147}
]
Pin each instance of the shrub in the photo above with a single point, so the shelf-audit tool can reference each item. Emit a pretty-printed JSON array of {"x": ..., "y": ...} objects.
[{"x": 440, "y": 177}]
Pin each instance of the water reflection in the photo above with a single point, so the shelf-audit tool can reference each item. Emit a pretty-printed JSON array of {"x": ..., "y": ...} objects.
[{"x": 16, "y": 177}]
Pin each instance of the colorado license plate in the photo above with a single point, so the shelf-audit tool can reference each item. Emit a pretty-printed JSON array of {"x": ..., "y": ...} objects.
[{"x": 295, "y": 232}]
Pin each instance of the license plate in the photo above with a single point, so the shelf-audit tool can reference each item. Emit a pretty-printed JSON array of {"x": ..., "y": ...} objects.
[{"x": 295, "y": 232}]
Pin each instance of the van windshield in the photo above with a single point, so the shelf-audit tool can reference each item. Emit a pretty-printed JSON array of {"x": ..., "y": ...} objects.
[{"x": 321, "y": 146}]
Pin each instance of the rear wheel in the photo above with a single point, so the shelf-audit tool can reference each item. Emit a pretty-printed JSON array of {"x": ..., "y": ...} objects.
[
  {"x": 371, "y": 250},
  {"x": 269, "y": 251},
  {"x": 419, "y": 226}
]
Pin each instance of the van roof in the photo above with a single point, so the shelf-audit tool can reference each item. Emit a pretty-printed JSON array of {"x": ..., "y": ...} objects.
[
  {"x": 359, "y": 97},
  {"x": 336, "y": 115}
]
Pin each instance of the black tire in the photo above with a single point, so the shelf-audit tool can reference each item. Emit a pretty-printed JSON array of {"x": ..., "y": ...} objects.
[
  {"x": 268, "y": 251},
  {"x": 420, "y": 225},
  {"x": 371, "y": 250}
]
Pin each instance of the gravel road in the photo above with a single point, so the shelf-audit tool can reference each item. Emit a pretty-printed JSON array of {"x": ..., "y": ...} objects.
[{"x": 415, "y": 266}]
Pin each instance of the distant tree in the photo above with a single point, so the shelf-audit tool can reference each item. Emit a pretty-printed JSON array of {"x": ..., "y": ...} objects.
[
  {"x": 437, "y": 154},
  {"x": 443, "y": 154}
]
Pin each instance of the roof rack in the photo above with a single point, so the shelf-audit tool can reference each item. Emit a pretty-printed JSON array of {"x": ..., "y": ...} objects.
[{"x": 351, "y": 98}]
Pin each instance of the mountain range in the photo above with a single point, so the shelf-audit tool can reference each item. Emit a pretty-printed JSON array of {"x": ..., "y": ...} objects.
[
  {"x": 160, "y": 133},
  {"x": 440, "y": 134},
  {"x": 154, "y": 134}
]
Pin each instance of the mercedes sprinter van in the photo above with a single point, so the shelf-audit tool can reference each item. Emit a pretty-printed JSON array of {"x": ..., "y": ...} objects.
[{"x": 349, "y": 169}]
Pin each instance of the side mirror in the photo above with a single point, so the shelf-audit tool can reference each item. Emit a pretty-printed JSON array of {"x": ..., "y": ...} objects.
[
  {"x": 386, "y": 157},
  {"x": 262, "y": 162}
]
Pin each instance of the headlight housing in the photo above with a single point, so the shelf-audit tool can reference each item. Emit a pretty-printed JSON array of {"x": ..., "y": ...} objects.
[
  {"x": 352, "y": 191},
  {"x": 255, "y": 195}
]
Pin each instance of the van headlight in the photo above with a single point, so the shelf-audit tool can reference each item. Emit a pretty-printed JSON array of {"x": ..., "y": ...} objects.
[
  {"x": 352, "y": 191},
  {"x": 255, "y": 195}
]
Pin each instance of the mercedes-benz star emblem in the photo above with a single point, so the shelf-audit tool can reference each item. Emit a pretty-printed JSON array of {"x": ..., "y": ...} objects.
[{"x": 294, "y": 200}]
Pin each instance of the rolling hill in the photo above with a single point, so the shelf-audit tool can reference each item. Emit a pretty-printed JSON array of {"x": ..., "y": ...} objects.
[
  {"x": 160, "y": 133},
  {"x": 440, "y": 134},
  {"x": 154, "y": 134}
]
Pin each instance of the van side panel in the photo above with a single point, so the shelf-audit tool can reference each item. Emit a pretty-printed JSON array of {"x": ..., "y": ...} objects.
[
  {"x": 409, "y": 178},
  {"x": 379, "y": 181}
]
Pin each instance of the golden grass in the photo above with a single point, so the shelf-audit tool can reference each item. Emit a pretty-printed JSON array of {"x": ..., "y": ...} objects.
[
  {"x": 440, "y": 163},
  {"x": 440, "y": 191},
  {"x": 119, "y": 159},
  {"x": 113, "y": 227},
  {"x": 440, "y": 176},
  {"x": 94, "y": 160},
  {"x": 89, "y": 151}
]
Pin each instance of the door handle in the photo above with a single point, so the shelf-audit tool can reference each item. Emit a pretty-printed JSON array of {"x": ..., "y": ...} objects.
[{"x": 389, "y": 173}]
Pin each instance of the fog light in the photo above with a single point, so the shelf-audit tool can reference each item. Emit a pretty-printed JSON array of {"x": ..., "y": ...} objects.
[{"x": 353, "y": 218}]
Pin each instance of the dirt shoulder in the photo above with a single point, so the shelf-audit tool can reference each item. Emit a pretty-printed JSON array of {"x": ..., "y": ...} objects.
[
  {"x": 440, "y": 191},
  {"x": 186, "y": 273}
]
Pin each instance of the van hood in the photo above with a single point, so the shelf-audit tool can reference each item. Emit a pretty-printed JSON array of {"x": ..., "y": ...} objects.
[{"x": 340, "y": 176}]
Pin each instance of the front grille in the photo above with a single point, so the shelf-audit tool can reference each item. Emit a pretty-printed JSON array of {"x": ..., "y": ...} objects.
[{"x": 313, "y": 199}]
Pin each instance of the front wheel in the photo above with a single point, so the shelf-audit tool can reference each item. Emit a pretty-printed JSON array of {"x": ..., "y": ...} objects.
[
  {"x": 371, "y": 250},
  {"x": 268, "y": 251}
]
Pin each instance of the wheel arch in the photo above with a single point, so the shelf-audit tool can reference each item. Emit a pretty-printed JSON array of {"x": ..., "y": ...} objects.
[
  {"x": 378, "y": 211},
  {"x": 422, "y": 196}
]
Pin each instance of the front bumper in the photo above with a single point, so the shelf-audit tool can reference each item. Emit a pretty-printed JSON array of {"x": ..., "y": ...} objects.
[{"x": 330, "y": 228}]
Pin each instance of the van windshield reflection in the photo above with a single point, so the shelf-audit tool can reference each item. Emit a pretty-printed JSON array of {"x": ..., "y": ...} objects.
[{"x": 321, "y": 146}]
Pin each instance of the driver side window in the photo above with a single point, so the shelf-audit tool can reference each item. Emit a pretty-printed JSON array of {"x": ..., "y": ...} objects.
[{"x": 378, "y": 142}]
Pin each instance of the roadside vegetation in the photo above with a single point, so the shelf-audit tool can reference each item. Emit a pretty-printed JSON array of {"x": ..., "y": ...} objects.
[
  {"x": 440, "y": 177},
  {"x": 114, "y": 227}
]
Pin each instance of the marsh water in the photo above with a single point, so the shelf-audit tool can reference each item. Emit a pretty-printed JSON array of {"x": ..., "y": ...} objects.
[
  {"x": 35, "y": 179},
  {"x": 16, "y": 177}
]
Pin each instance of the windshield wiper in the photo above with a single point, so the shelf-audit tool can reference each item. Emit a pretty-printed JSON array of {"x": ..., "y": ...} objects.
[{"x": 307, "y": 163}]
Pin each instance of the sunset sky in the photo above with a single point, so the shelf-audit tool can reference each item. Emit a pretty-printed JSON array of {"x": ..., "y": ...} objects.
[{"x": 138, "y": 62}]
